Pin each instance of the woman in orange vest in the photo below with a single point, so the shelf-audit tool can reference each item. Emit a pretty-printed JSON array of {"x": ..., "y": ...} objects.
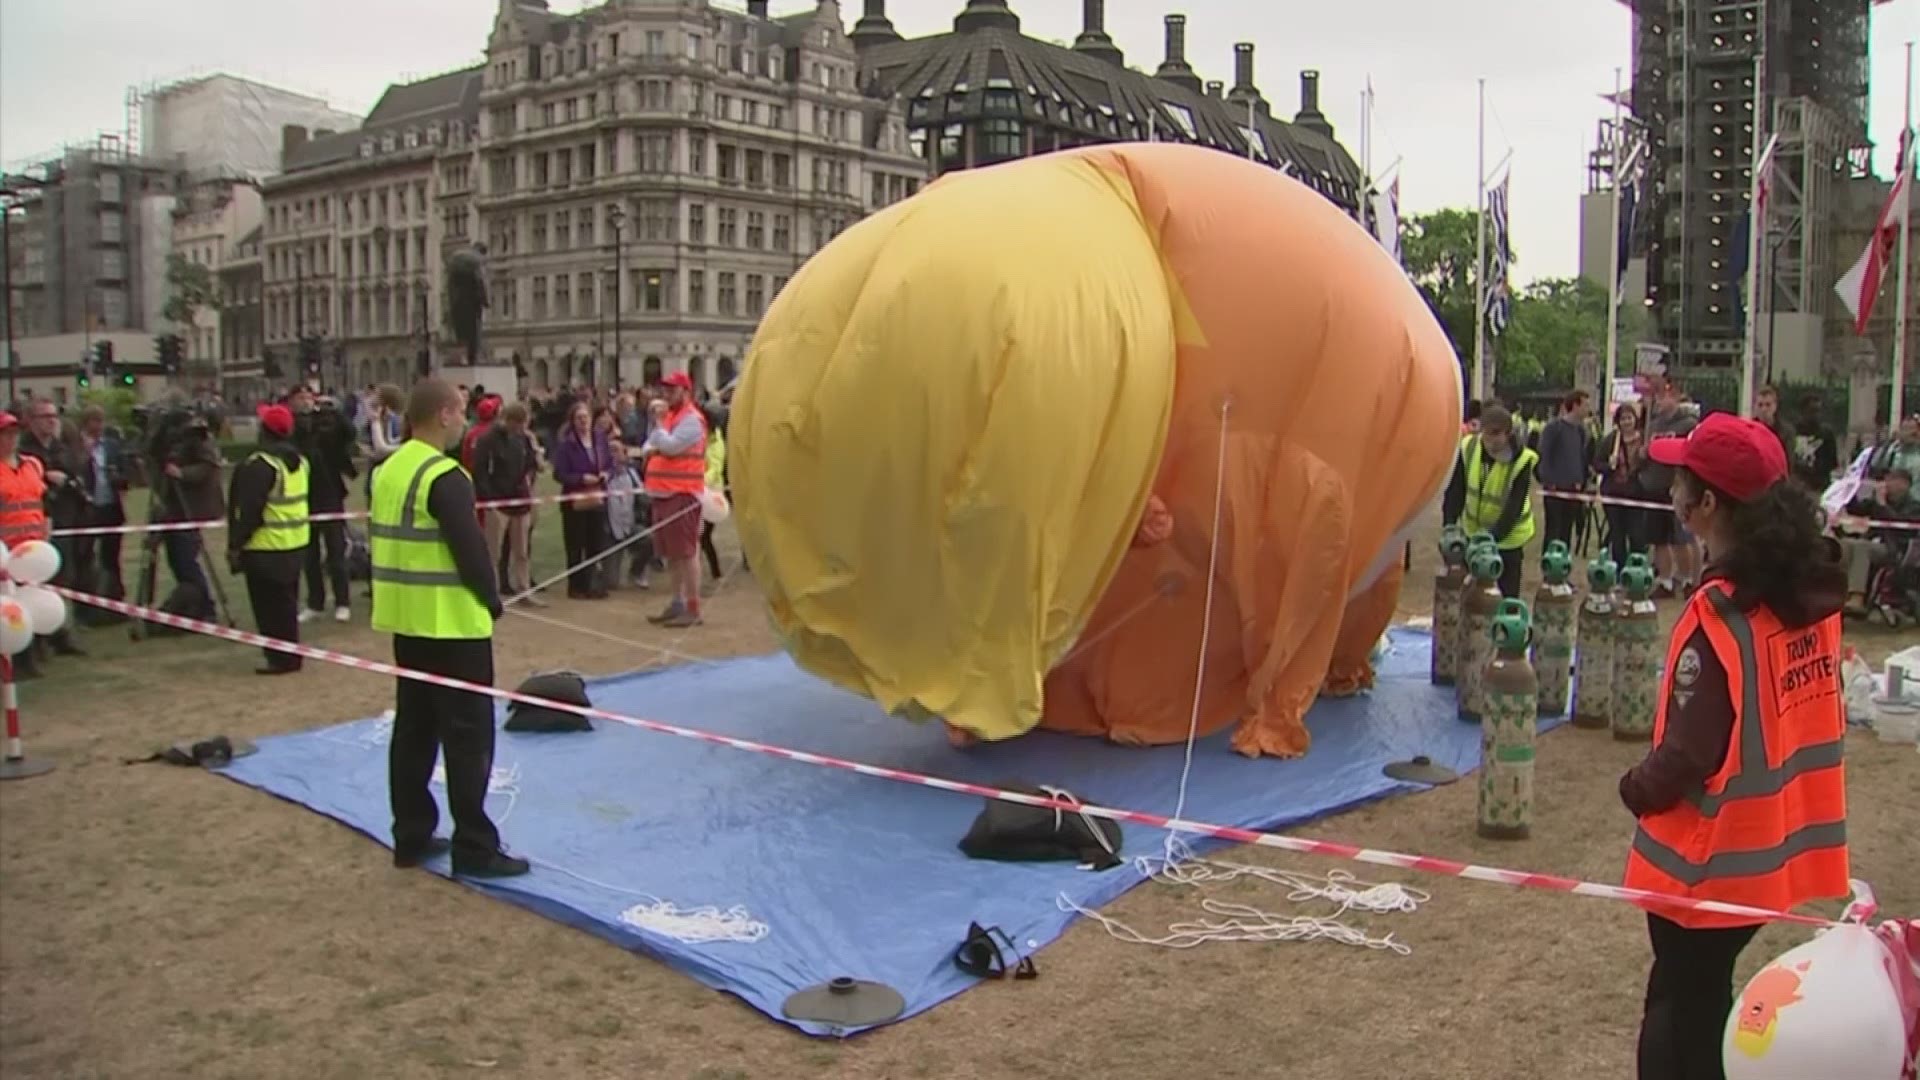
[{"x": 1743, "y": 798}]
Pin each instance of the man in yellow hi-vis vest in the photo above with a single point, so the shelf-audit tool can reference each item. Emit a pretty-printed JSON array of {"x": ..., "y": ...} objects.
[
  {"x": 1492, "y": 491},
  {"x": 434, "y": 591},
  {"x": 267, "y": 533}
]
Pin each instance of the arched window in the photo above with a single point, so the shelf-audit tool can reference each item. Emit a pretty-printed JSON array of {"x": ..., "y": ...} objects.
[
  {"x": 650, "y": 371},
  {"x": 725, "y": 373},
  {"x": 542, "y": 375}
]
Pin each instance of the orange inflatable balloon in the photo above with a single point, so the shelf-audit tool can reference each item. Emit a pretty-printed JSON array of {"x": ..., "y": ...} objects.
[{"x": 1272, "y": 404}]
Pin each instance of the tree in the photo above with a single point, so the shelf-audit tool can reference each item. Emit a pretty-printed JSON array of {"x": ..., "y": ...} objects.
[
  {"x": 1553, "y": 319},
  {"x": 190, "y": 287},
  {"x": 1438, "y": 250}
]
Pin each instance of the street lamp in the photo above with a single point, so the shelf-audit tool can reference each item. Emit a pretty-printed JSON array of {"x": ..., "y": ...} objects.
[
  {"x": 617, "y": 218},
  {"x": 426, "y": 330}
]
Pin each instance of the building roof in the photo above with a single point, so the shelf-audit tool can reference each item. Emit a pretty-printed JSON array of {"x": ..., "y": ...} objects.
[
  {"x": 454, "y": 96},
  {"x": 942, "y": 76}
]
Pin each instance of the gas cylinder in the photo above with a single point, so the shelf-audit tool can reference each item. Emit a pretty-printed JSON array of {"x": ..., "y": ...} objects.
[
  {"x": 1446, "y": 604},
  {"x": 1479, "y": 602},
  {"x": 1636, "y": 654},
  {"x": 1553, "y": 629},
  {"x": 1507, "y": 728},
  {"x": 1593, "y": 692}
]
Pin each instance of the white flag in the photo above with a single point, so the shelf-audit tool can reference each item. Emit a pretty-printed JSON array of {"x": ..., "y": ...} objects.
[{"x": 1386, "y": 218}]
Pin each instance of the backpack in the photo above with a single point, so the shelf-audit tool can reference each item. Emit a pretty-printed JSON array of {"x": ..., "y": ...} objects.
[{"x": 563, "y": 686}]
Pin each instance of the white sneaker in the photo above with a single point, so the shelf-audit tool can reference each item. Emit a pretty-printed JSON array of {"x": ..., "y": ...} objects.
[
  {"x": 343, "y": 614},
  {"x": 307, "y": 615}
]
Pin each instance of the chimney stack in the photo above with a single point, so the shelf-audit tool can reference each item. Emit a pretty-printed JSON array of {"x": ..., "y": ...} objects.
[
  {"x": 292, "y": 137},
  {"x": 1243, "y": 66},
  {"x": 1093, "y": 40},
  {"x": 1174, "y": 68},
  {"x": 1216, "y": 89},
  {"x": 986, "y": 15},
  {"x": 874, "y": 28},
  {"x": 757, "y": 8},
  {"x": 1310, "y": 116}
]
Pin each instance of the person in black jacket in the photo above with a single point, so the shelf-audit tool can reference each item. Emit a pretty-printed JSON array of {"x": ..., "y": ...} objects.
[
  {"x": 325, "y": 438},
  {"x": 1564, "y": 455},
  {"x": 504, "y": 465},
  {"x": 64, "y": 464},
  {"x": 273, "y": 577},
  {"x": 186, "y": 489}
]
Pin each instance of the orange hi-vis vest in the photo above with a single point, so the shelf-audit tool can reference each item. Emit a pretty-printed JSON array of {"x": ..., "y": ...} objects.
[
  {"x": 23, "y": 491},
  {"x": 684, "y": 473},
  {"x": 1769, "y": 827}
]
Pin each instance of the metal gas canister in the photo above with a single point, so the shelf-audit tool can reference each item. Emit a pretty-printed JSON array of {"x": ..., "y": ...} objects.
[
  {"x": 1553, "y": 629},
  {"x": 1446, "y": 605},
  {"x": 1593, "y": 689},
  {"x": 1636, "y": 654},
  {"x": 1479, "y": 602},
  {"x": 1508, "y": 727}
]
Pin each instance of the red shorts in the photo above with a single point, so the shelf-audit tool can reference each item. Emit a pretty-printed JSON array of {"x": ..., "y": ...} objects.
[{"x": 676, "y": 519}]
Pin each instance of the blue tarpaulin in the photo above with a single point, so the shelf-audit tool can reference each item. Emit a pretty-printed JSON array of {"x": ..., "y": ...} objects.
[{"x": 852, "y": 875}]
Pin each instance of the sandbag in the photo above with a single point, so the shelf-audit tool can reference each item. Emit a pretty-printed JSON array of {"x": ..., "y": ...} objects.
[
  {"x": 562, "y": 686},
  {"x": 1013, "y": 832}
]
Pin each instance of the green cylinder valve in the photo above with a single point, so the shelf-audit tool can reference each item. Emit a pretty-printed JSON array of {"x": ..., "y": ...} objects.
[
  {"x": 1556, "y": 565},
  {"x": 1601, "y": 574},
  {"x": 1512, "y": 626}
]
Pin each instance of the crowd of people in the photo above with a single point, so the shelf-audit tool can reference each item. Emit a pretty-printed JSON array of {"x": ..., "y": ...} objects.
[
  {"x": 1572, "y": 456},
  {"x": 632, "y": 463}
]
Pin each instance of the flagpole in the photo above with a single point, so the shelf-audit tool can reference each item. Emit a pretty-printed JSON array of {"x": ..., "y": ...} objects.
[
  {"x": 1756, "y": 230},
  {"x": 1613, "y": 261},
  {"x": 1897, "y": 396},
  {"x": 1480, "y": 263}
]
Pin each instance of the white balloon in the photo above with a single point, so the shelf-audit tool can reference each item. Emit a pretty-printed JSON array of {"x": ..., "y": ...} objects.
[
  {"x": 1826, "y": 1008},
  {"x": 34, "y": 562},
  {"x": 46, "y": 609},
  {"x": 713, "y": 506},
  {"x": 16, "y": 633},
  {"x": 5, "y": 555}
]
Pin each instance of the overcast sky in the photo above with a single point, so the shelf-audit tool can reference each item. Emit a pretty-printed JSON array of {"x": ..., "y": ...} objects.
[{"x": 65, "y": 66}]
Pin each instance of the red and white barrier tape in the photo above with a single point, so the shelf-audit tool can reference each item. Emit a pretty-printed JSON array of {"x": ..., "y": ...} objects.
[
  {"x": 1519, "y": 879},
  {"x": 1644, "y": 504},
  {"x": 341, "y": 515}
]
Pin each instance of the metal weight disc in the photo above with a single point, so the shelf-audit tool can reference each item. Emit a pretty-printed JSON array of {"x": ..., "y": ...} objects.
[
  {"x": 1421, "y": 770},
  {"x": 846, "y": 1002}
]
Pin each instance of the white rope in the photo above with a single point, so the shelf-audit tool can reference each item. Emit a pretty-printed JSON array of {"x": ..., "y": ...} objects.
[
  {"x": 1206, "y": 632},
  {"x": 693, "y": 926},
  {"x": 610, "y": 550},
  {"x": 1243, "y": 923}
]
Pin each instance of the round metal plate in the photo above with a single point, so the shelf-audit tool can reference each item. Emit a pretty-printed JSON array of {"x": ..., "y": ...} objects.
[
  {"x": 23, "y": 768},
  {"x": 846, "y": 1002},
  {"x": 1421, "y": 770}
]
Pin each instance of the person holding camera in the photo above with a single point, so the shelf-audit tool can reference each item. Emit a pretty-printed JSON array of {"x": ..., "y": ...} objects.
[
  {"x": 184, "y": 464},
  {"x": 325, "y": 439}
]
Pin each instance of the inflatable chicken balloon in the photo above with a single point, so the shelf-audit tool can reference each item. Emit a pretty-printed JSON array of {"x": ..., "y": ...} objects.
[
  {"x": 1830, "y": 1007},
  {"x": 992, "y": 441}
]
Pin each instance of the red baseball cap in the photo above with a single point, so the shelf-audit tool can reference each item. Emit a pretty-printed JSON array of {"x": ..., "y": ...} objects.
[
  {"x": 488, "y": 408},
  {"x": 1738, "y": 456},
  {"x": 678, "y": 378},
  {"x": 8, "y": 420},
  {"x": 277, "y": 419}
]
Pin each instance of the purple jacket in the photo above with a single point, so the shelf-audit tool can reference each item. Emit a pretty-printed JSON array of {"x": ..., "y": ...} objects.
[{"x": 572, "y": 460}]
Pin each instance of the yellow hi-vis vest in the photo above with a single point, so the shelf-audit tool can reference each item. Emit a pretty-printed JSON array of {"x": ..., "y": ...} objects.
[
  {"x": 1487, "y": 485},
  {"x": 283, "y": 522},
  {"x": 417, "y": 591}
]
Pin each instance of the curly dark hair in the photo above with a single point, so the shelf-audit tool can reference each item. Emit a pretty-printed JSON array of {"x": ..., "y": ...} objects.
[{"x": 1780, "y": 557}]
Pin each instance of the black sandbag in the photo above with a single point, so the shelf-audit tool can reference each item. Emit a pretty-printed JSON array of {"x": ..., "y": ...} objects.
[
  {"x": 562, "y": 686},
  {"x": 1015, "y": 832}
]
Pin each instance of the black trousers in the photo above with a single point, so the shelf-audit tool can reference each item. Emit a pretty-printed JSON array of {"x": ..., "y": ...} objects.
[
  {"x": 431, "y": 720},
  {"x": 331, "y": 535},
  {"x": 1512, "y": 563},
  {"x": 273, "y": 589},
  {"x": 110, "y": 579},
  {"x": 584, "y": 534},
  {"x": 707, "y": 549},
  {"x": 1561, "y": 515},
  {"x": 1689, "y": 996}
]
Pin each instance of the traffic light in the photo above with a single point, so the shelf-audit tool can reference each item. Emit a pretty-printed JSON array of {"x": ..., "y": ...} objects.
[
  {"x": 124, "y": 378},
  {"x": 310, "y": 354},
  {"x": 168, "y": 348},
  {"x": 104, "y": 350},
  {"x": 82, "y": 377}
]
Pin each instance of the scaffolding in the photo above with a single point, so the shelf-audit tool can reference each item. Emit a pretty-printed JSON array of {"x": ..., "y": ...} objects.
[{"x": 1812, "y": 156}]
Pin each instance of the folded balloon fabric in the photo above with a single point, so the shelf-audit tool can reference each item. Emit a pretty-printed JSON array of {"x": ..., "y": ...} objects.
[{"x": 979, "y": 480}]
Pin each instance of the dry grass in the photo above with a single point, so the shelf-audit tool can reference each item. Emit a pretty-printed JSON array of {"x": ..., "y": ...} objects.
[{"x": 159, "y": 922}]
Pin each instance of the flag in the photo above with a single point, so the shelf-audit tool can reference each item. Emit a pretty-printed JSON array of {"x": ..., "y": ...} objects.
[
  {"x": 1629, "y": 181},
  {"x": 1499, "y": 297},
  {"x": 1386, "y": 218},
  {"x": 1860, "y": 286}
]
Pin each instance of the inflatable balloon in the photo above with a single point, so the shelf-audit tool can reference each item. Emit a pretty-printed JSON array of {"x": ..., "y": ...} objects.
[
  {"x": 713, "y": 506},
  {"x": 46, "y": 609},
  {"x": 979, "y": 479},
  {"x": 16, "y": 632},
  {"x": 1826, "y": 1008},
  {"x": 5, "y": 557},
  {"x": 33, "y": 562}
]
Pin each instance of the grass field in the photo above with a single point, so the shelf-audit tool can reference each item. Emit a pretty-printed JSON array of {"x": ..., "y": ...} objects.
[{"x": 159, "y": 922}]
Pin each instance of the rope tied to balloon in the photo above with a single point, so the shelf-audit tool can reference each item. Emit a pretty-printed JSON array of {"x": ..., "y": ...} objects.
[{"x": 27, "y": 607}]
